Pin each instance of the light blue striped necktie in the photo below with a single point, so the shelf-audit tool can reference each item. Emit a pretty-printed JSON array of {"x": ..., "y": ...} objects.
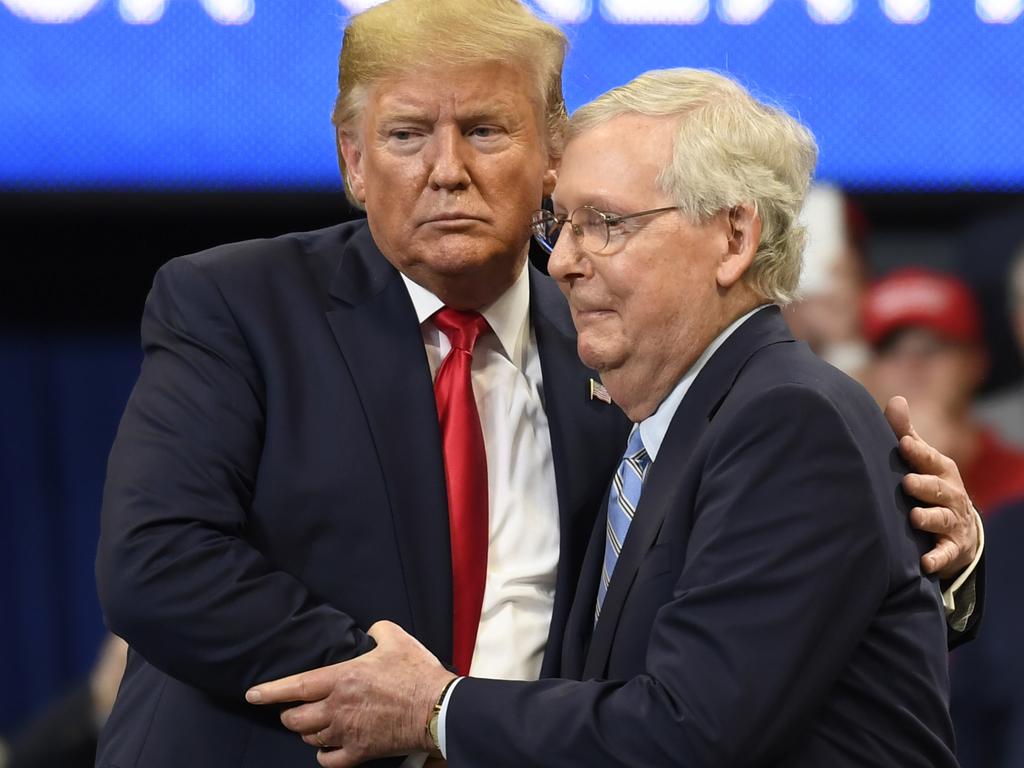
[{"x": 622, "y": 501}]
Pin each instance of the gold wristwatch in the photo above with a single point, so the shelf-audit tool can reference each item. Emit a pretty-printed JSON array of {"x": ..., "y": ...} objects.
[{"x": 434, "y": 720}]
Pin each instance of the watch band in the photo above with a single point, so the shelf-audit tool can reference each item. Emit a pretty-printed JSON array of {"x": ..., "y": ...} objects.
[{"x": 433, "y": 721}]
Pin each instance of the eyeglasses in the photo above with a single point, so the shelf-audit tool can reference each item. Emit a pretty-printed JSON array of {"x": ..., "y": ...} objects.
[{"x": 591, "y": 227}]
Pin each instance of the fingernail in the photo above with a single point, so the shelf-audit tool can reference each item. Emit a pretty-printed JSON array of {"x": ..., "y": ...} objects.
[{"x": 253, "y": 696}]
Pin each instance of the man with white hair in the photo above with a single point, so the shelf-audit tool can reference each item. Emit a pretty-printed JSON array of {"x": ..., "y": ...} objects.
[{"x": 751, "y": 594}]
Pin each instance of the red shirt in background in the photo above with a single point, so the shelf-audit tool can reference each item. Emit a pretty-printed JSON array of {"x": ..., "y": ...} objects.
[{"x": 996, "y": 476}]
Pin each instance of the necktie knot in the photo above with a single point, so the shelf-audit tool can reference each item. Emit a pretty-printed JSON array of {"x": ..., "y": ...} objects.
[
  {"x": 635, "y": 450},
  {"x": 462, "y": 328}
]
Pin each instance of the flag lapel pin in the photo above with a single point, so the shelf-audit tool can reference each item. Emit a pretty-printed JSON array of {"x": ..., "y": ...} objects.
[{"x": 598, "y": 392}]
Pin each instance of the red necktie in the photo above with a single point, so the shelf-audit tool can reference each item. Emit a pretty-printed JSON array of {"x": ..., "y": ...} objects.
[{"x": 465, "y": 463}]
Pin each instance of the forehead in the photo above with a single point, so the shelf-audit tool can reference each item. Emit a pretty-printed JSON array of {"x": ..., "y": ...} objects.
[
  {"x": 487, "y": 87},
  {"x": 617, "y": 160}
]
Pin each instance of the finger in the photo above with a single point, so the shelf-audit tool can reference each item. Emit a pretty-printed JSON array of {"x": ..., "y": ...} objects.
[
  {"x": 305, "y": 686},
  {"x": 338, "y": 758},
  {"x": 897, "y": 412},
  {"x": 941, "y": 521},
  {"x": 922, "y": 458},
  {"x": 942, "y": 558},
  {"x": 934, "y": 491},
  {"x": 320, "y": 740},
  {"x": 307, "y": 718}
]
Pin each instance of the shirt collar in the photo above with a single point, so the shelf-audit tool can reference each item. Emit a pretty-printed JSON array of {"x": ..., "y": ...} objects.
[
  {"x": 508, "y": 315},
  {"x": 654, "y": 427}
]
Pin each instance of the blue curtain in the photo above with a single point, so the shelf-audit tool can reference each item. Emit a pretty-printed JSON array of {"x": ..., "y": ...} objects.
[{"x": 60, "y": 401}]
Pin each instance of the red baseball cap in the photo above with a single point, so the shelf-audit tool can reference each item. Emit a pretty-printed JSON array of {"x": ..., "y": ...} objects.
[{"x": 921, "y": 298}]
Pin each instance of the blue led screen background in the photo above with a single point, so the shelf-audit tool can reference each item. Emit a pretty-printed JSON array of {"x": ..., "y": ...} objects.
[{"x": 236, "y": 94}]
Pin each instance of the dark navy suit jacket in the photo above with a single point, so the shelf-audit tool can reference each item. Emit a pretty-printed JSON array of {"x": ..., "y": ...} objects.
[
  {"x": 277, "y": 486},
  {"x": 768, "y": 607}
]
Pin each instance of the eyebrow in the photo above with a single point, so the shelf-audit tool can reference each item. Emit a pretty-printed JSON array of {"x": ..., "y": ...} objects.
[
  {"x": 407, "y": 110},
  {"x": 600, "y": 202},
  {"x": 404, "y": 113},
  {"x": 485, "y": 112}
]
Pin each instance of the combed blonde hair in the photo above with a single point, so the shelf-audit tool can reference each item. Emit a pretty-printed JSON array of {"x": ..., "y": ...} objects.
[
  {"x": 729, "y": 149},
  {"x": 404, "y": 35}
]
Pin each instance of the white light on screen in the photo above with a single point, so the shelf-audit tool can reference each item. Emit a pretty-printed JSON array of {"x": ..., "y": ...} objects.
[
  {"x": 142, "y": 11},
  {"x": 50, "y": 11},
  {"x": 565, "y": 11},
  {"x": 655, "y": 11},
  {"x": 230, "y": 11},
  {"x": 906, "y": 11},
  {"x": 829, "y": 11},
  {"x": 999, "y": 11},
  {"x": 358, "y": 6},
  {"x": 742, "y": 11}
]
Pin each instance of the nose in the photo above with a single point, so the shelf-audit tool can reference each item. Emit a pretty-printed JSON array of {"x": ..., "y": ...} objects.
[
  {"x": 567, "y": 261},
  {"x": 448, "y": 170}
]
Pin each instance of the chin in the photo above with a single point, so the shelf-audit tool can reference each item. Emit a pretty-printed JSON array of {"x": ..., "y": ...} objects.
[
  {"x": 456, "y": 254},
  {"x": 602, "y": 357}
]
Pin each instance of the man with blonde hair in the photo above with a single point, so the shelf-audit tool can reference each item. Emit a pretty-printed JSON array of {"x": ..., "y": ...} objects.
[
  {"x": 385, "y": 419},
  {"x": 752, "y": 595},
  {"x": 382, "y": 419}
]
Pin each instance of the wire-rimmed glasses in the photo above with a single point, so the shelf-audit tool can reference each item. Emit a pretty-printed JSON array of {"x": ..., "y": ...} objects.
[{"x": 591, "y": 227}]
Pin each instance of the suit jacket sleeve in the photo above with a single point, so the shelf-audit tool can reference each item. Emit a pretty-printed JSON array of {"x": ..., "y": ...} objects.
[
  {"x": 976, "y": 584},
  {"x": 783, "y": 573},
  {"x": 178, "y": 572}
]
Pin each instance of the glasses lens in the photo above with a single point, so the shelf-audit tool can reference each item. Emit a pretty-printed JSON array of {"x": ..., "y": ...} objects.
[
  {"x": 590, "y": 228},
  {"x": 545, "y": 228}
]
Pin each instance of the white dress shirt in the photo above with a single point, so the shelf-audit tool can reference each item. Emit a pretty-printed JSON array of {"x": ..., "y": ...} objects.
[
  {"x": 522, "y": 501},
  {"x": 523, "y": 547}
]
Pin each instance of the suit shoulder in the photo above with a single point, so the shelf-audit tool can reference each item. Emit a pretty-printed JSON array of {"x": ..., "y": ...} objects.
[
  {"x": 793, "y": 367},
  {"x": 316, "y": 250}
]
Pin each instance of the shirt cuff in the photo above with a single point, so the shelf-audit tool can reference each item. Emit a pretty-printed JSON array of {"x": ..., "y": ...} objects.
[
  {"x": 959, "y": 600},
  {"x": 442, "y": 719}
]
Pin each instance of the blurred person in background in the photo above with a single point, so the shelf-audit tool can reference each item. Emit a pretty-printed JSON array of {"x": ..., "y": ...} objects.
[
  {"x": 925, "y": 328},
  {"x": 1004, "y": 410},
  {"x": 827, "y": 311},
  {"x": 64, "y": 735},
  {"x": 987, "y": 675}
]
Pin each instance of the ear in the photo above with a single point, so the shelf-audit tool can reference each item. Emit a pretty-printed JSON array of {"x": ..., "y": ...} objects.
[
  {"x": 551, "y": 175},
  {"x": 743, "y": 232},
  {"x": 352, "y": 152}
]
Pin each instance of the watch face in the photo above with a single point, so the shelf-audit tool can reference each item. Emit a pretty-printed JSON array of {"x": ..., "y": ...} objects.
[{"x": 432, "y": 726}]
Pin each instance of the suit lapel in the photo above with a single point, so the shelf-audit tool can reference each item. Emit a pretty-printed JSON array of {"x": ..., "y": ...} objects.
[
  {"x": 586, "y": 436},
  {"x": 376, "y": 328},
  {"x": 686, "y": 429},
  {"x": 580, "y": 625}
]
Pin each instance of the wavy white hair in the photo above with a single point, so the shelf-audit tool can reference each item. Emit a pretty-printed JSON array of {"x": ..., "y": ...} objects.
[{"x": 729, "y": 149}]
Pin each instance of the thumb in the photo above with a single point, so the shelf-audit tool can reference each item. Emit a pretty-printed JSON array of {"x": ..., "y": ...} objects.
[
  {"x": 383, "y": 629},
  {"x": 897, "y": 412}
]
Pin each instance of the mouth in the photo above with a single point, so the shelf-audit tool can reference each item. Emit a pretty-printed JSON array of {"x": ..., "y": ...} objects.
[
  {"x": 591, "y": 314},
  {"x": 453, "y": 218}
]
